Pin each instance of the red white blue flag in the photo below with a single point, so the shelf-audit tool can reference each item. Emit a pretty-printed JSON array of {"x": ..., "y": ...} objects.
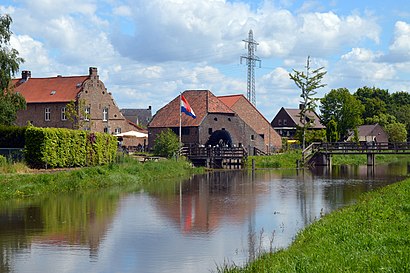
[{"x": 186, "y": 108}]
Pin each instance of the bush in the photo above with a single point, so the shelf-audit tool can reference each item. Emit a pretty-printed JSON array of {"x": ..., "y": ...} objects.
[{"x": 166, "y": 144}]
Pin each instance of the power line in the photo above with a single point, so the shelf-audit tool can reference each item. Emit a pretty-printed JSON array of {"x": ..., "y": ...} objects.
[{"x": 251, "y": 59}]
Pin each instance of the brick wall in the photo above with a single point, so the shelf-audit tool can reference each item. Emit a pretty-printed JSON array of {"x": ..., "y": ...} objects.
[{"x": 255, "y": 119}]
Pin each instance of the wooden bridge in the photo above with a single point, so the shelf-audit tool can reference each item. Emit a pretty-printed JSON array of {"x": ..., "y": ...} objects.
[
  {"x": 320, "y": 154},
  {"x": 216, "y": 157}
]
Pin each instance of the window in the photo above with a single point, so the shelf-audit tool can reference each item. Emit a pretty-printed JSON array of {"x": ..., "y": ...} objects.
[
  {"x": 210, "y": 131},
  {"x": 63, "y": 116},
  {"x": 252, "y": 137},
  {"x": 106, "y": 130},
  {"x": 117, "y": 131},
  {"x": 47, "y": 114},
  {"x": 105, "y": 114},
  {"x": 87, "y": 113},
  {"x": 280, "y": 122},
  {"x": 285, "y": 122}
]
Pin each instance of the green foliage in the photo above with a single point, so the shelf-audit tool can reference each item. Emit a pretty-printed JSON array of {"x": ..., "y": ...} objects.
[
  {"x": 381, "y": 119},
  {"x": 10, "y": 102},
  {"x": 3, "y": 161},
  {"x": 77, "y": 115},
  {"x": 166, "y": 144},
  {"x": 370, "y": 236},
  {"x": 308, "y": 84},
  {"x": 12, "y": 136},
  {"x": 332, "y": 133},
  {"x": 58, "y": 147},
  {"x": 344, "y": 108},
  {"x": 396, "y": 132},
  {"x": 374, "y": 100}
]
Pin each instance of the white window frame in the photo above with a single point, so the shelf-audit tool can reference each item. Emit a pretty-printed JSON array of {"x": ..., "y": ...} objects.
[
  {"x": 105, "y": 114},
  {"x": 87, "y": 113},
  {"x": 63, "y": 115},
  {"x": 47, "y": 114},
  {"x": 117, "y": 131}
]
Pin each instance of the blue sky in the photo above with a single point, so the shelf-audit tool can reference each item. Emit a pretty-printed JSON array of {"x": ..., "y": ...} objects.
[{"x": 147, "y": 52}]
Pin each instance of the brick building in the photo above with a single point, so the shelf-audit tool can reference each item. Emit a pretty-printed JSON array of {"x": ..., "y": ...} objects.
[
  {"x": 287, "y": 120},
  {"x": 215, "y": 123},
  {"x": 248, "y": 113},
  {"x": 47, "y": 100}
]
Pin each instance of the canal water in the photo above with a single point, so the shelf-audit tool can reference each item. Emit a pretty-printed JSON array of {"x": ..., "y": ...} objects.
[{"x": 195, "y": 225}]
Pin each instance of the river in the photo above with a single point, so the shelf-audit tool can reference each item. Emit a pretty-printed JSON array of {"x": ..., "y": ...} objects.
[{"x": 195, "y": 225}]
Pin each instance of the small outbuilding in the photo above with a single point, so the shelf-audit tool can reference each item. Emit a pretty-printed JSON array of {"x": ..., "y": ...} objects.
[{"x": 370, "y": 133}]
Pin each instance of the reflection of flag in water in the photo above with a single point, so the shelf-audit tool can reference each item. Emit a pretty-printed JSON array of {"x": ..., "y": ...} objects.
[{"x": 186, "y": 108}]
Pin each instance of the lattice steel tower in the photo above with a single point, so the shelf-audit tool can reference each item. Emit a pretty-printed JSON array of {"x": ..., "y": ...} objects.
[{"x": 251, "y": 60}]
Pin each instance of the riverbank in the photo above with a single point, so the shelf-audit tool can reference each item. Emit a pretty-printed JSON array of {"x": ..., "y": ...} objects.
[
  {"x": 288, "y": 160},
  {"x": 371, "y": 236},
  {"x": 129, "y": 174}
]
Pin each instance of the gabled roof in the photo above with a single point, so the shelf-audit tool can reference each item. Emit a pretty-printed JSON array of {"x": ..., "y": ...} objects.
[
  {"x": 202, "y": 102},
  {"x": 54, "y": 89},
  {"x": 295, "y": 115},
  {"x": 367, "y": 130}
]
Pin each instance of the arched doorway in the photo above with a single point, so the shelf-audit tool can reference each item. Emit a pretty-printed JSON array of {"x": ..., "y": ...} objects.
[{"x": 221, "y": 138}]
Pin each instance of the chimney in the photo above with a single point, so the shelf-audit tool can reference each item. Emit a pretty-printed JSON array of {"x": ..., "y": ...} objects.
[
  {"x": 149, "y": 107},
  {"x": 25, "y": 75},
  {"x": 93, "y": 73}
]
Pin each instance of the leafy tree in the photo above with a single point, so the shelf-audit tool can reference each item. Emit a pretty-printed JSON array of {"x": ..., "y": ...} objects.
[
  {"x": 400, "y": 98},
  {"x": 381, "y": 119},
  {"x": 166, "y": 143},
  {"x": 375, "y": 101},
  {"x": 396, "y": 132},
  {"x": 307, "y": 83},
  {"x": 331, "y": 131},
  {"x": 10, "y": 102},
  {"x": 344, "y": 108}
]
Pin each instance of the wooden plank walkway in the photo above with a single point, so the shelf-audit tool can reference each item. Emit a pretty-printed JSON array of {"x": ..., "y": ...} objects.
[{"x": 216, "y": 157}]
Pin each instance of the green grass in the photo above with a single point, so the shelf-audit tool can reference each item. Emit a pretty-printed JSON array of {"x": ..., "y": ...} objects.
[
  {"x": 362, "y": 159},
  {"x": 128, "y": 175},
  {"x": 282, "y": 160},
  {"x": 370, "y": 236}
]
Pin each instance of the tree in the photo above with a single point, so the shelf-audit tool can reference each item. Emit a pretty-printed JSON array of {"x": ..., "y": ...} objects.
[
  {"x": 344, "y": 108},
  {"x": 10, "y": 102},
  {"x": 166, "y": 143},
  {"x": 332, "y": 134},
  {"x": 307, "y": 83},
  {"x": 375, "y": 101},
  {"x": 396, "y": 132},
  {"x": 76, "y": 113}
]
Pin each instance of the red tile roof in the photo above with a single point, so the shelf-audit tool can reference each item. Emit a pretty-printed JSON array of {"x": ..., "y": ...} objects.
[
  {"x": 201, "y": 101},
  {"x": 55, "y": 89},
  {"x": 230, "y": 100}
]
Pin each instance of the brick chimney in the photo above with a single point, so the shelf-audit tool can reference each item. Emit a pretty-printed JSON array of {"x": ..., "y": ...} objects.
[
  {"x": 25, "y": 75},
  {"x": 93, "y": 73}
]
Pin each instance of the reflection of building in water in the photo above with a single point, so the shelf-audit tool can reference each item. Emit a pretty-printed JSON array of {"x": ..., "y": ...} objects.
[
  {"x": 206, "y": 200},
  {"x": 63, "y": 220}
]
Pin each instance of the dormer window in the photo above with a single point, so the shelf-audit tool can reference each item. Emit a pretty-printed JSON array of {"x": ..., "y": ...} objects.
[{"x": 53, "y": 92}]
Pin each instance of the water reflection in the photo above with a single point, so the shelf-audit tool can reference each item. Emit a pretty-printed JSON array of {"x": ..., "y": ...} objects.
[{"x": 179, "y": 226}]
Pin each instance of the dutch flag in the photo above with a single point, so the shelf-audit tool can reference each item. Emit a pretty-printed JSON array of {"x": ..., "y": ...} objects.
[{"x": 186, "y": 108}]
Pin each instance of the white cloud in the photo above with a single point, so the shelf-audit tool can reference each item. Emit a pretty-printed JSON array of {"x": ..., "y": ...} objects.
[{"x": 400, "y": 48}]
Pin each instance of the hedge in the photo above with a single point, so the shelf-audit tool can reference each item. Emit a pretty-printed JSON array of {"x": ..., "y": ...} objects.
[
  {"x": 12, "y": 136},
  {"x": 60, "y": 148}
]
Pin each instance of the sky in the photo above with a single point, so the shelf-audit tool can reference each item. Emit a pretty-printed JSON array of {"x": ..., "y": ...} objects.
[{"x": 148, "y": 51}]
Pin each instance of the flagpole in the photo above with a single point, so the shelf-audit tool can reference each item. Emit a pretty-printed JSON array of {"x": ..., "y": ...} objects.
[{"x": 180, "y": 121}]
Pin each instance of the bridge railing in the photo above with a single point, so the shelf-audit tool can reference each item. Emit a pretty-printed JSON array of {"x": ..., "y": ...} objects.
[
  {"x": 221, "y": 152},
  {"x": 350, "y": 147}
]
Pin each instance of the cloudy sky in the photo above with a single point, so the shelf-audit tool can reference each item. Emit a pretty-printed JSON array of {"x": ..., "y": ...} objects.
[{"x": 148, "y": 51}]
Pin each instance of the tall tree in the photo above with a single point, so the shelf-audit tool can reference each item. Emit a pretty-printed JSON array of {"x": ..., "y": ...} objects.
[
  {"x": 375, "y": 101},
  {"x": 308, "y": 83},
  {"x": 10, "y": 102},
  {"x": 344, "y": 108}
]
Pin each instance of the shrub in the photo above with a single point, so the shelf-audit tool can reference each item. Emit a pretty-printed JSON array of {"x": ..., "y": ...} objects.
[{"x": 166, "y": 143}]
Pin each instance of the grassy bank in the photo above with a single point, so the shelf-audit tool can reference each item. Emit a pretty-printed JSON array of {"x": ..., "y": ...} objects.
[
  {"x": 288, "y": 160},
  {"x": 129, "y": 174},
  {"x": 282, "y": 160},
  {"x": 370, "y": 236}
]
